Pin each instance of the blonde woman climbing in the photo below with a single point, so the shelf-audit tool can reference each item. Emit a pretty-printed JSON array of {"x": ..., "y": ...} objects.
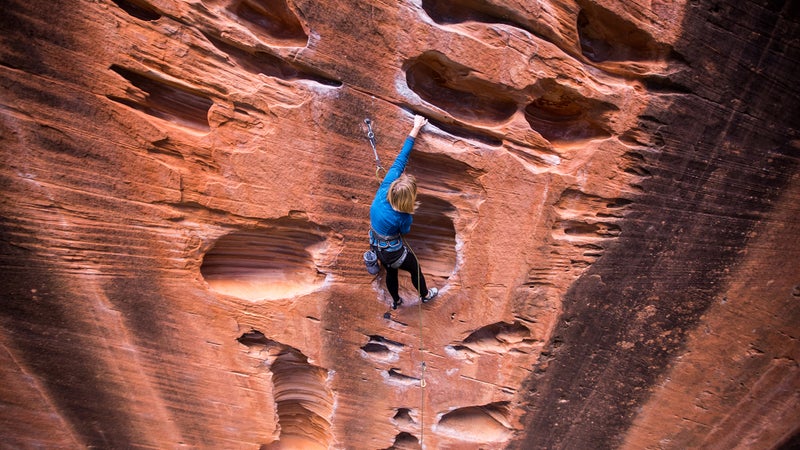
[{"x": 391, "y": 215}]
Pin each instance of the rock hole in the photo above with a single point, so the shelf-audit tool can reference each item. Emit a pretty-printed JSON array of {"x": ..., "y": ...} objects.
[
  {"x": 253, "y": 338},
  {"x": 273, "y": 19},
  {"x": 588, "y": 229},
  {"x": 403, "y": 417},
  {"x": 284, "y": 260},
  {"x": 452, "y": 87},
  {"x": 659, "y": 83},
  {"x": 405, "y": 441},
  {"x": 433, "y": 237},
  {"x": 618, "y": 203},
  {"x": 374, "y": 347},
  {"x": 303, "y": 401},
  {"x": 446, "y": 12},
  {"x": 396, "y": 376},
  {"x": 483, "y": 424},
  {"x": 501, "y": 337},
  {"x": 139, "y": 9},
  {"x": 561, "y": 114},
  {"x": 382, "y": 349},
  {"x": 268, "y": 64},
  {"x": 450, "y": 12},
  {"x": 165, "y": 101},
  {"x": 604, "y": 36}
]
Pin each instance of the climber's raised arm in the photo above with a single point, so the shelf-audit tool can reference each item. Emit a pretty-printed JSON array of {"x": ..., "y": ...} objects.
[{"x": 399, "y": 164}]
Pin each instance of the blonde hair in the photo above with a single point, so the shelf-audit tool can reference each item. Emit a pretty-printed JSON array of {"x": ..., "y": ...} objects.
[{"x": 402, "y": 194}]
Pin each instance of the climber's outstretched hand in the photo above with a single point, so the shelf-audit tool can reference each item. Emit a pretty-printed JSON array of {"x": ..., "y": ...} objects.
[{"x": 419, "y": 122}]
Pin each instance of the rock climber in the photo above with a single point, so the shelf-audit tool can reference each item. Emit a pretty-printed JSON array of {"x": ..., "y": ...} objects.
[{"x": 390, "y": 218}]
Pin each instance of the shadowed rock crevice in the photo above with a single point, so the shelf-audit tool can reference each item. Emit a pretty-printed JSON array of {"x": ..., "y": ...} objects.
[
  {"x": 168, "y": 101},
  {"x": 259, "y": 62},
  {"x": 433, "y": 236},
  {"x": 303, "y": 400},
  {"x": 396, "y": 376},
  {"x": 280, "y": 261},
  {"x": 588, "y": 229},
  {"x": 561, "y": 114},
  {"x": 272, "y": 19},
  {"x": 139, "y": 9},
  {"x": 479, "y": 424},
  {"x": 605, "y": 36},
  {"x": 449, "y": 12},
  {"x": 662, "y": 84},
  {"x": 446, "y": 12},
  {"x": 403, "y": 417},
  {"x": 382, "y": 349},
  {"x": 405, "y": 441},
  {"x": 455, "y": 89}
]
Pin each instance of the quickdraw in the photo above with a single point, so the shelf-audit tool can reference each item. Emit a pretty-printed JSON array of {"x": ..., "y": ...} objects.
[{"x": 371, "y": 138}]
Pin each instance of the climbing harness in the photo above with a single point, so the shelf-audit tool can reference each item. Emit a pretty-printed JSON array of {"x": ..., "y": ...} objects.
[
  {"x": 394, "y": 243},
  {"x": 371, "y": 138}
]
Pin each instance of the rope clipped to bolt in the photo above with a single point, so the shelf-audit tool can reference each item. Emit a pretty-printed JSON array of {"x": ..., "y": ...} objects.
[{"x": 371, "y": 137}]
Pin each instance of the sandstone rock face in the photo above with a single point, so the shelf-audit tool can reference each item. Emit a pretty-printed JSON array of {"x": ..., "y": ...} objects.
[{"x": 609, "y": 207}]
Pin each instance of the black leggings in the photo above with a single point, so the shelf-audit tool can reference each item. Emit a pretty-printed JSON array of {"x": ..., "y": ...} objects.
[{"x": 410, "y": 265}]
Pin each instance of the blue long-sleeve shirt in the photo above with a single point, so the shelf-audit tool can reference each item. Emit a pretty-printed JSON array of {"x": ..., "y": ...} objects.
[{"x": 383, "y": 218}]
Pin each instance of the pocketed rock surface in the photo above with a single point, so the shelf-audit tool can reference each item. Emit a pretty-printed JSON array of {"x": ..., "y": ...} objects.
[{"x": 609, "y": 199}]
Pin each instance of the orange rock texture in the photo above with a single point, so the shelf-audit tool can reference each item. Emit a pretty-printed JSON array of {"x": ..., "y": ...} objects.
[{"x": 608, "y": 194}]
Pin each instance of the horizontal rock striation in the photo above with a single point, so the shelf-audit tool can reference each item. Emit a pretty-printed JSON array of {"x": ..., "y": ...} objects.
[{"x": 607, "y": 197}]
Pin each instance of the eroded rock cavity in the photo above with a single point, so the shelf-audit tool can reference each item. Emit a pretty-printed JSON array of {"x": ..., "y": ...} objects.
[
  {"x": 286, "y": 259},
  {"x": 484, "y": 424},
  {"x": 304, "y": 401}
]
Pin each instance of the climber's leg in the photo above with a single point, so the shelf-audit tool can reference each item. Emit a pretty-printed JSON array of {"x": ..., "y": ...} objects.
[
  {"x": 411, "y": 265},
  {"x": 393, "y": 286}
]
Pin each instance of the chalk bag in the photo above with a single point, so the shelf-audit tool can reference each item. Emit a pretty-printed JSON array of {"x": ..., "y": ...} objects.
[{"x": 371, "y": 260}]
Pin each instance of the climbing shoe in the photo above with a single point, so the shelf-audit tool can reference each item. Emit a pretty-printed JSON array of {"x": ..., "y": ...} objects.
[
  {"x": 396, "y": 303},
  {"x": 432, "y": 292}
]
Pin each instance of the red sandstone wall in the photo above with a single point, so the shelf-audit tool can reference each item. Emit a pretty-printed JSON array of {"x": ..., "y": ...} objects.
[{"x": 607, "y": 194}]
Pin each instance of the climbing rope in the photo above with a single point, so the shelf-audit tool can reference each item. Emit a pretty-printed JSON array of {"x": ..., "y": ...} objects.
[
  {"x": 422, "y": 382},
  {"x": 423, "y": 366},
  {"x": 371, "y": 138}
]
